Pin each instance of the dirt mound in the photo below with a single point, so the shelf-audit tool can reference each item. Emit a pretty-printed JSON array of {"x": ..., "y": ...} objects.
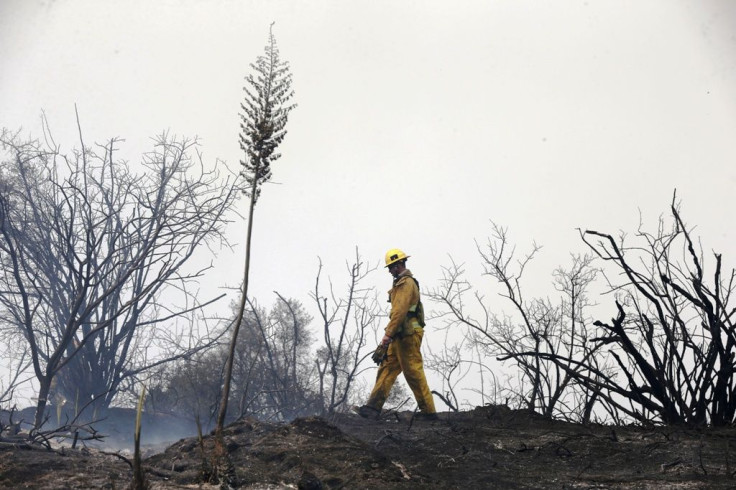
[
  {"x": 24, "y": 467},
  {"x": 489, "y": 447},
  {"x": 265, "y": 453}
]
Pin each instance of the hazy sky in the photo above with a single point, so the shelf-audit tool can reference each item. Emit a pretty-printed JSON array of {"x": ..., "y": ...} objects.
[{"x": 418, "y": 121}]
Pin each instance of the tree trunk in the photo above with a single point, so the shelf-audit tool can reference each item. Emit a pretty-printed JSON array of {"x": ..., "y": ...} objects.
[{"x": 43, "y": 396}]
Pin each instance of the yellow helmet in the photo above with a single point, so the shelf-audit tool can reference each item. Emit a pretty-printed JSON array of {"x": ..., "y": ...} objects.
[{"x": 395, "y": 255}]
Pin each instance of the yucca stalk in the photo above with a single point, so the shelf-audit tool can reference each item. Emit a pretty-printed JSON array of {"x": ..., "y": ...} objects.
[
  {"x": 139, "y": 479},
  {"x": 262, "y": 128}
]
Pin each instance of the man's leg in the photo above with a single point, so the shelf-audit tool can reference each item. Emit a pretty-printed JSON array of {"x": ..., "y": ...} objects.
[
  {"x": 412, "y": 364},
  {"x": 385, "y": 378}
]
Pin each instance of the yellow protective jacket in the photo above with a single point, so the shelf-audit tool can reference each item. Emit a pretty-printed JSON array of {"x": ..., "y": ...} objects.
[{"x": 404, "y": 297}]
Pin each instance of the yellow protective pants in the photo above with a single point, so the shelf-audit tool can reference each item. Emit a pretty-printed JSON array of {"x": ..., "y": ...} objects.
[{"x": 404, "y": 355}]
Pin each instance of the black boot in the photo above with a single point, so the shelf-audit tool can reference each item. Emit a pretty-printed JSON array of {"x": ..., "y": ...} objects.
[{"x": 368, "y": 412}]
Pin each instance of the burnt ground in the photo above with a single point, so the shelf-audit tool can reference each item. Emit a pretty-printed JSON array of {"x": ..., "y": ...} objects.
[{"x": 489, "y": 447}]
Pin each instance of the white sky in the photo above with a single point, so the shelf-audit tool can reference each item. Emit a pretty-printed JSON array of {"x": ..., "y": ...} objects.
[{"x": 418, "y": 121}]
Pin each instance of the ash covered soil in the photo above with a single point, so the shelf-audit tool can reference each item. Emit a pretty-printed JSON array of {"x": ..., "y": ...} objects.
[{"x": 489, "y": 447}]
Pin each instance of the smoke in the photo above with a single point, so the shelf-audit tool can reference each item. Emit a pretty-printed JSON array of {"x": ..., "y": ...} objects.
[{"x": 115, "y": 430}]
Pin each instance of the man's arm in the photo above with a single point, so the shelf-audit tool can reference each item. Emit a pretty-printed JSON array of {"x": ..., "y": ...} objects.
[{"x": 400, "y": 305}]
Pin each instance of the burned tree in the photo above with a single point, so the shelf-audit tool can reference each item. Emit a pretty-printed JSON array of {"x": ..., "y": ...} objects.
[
  {"x": 15, "y": 363},
  {"x": 673, "y": 337},
  {"x": 273, "y": 370},
  {"x": 452, "y": 366},
  {"x": 188, "y": 387},
  {"x": 536, "y": 329},
  {"x": 346, "y": 322},
  {"x": 273, "y": 376},
  {"x": 87, "y": 249}
]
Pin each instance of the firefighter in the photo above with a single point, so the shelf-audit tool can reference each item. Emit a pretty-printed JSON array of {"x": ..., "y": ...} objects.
[{"x": 402, "y": 340}]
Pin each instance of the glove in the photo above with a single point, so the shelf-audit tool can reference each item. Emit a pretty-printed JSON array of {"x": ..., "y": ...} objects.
[{"x": 380, "y": 354}]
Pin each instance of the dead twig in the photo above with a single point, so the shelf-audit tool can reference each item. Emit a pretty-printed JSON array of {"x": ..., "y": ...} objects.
[
  {"x": 666, "y": 466},
  {"x": 388, "y": 435},
  {"x": 120, "y": 456}
]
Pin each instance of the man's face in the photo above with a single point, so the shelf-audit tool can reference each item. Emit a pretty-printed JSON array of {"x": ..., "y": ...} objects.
[{"x": 395, "y": 268}]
